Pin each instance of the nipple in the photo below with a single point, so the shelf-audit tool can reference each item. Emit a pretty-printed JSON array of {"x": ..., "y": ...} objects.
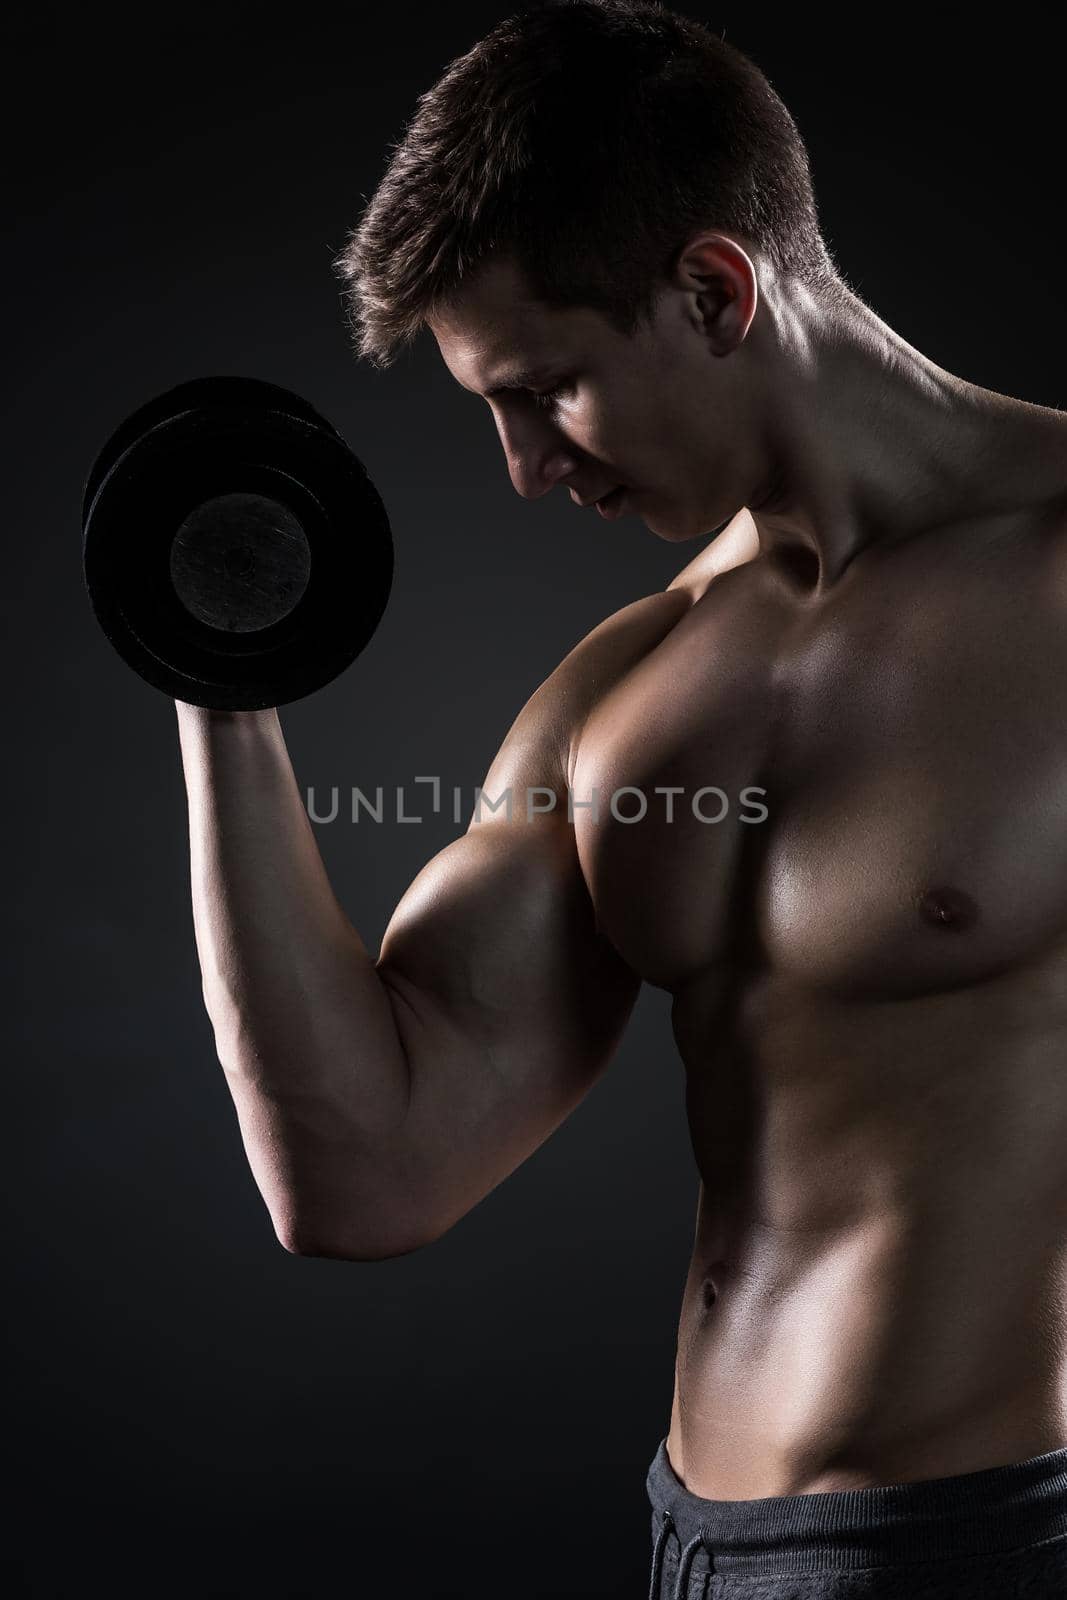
[{"x": 945, "y": 907}]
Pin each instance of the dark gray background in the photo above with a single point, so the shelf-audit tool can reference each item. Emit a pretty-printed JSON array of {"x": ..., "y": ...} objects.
[{"x": 202, "y": 1413}]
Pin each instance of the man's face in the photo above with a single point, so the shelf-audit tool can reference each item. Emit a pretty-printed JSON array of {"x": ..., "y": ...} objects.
[{"x": 658, "y": 414}]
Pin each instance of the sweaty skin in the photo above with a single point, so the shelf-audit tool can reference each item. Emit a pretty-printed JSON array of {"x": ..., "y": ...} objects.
[{"x": 870, "y": 986}]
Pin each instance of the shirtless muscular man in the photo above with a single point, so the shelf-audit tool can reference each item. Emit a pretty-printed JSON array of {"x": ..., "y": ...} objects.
[{"x": 603, "y": 214}]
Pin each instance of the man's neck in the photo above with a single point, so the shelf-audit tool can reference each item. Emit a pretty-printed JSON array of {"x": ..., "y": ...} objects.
[{"x": 868, "y": 441}]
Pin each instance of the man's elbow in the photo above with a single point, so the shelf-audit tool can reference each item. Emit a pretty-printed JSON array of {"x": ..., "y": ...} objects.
[{"x": 302, "y": 1237}]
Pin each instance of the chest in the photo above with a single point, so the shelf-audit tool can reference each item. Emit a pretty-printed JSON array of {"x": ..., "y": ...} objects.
[{"x": 871, "y": 799}]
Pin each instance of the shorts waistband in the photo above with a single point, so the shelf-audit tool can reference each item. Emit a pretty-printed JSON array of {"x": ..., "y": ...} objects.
[{"x": 977, "y": 1513}]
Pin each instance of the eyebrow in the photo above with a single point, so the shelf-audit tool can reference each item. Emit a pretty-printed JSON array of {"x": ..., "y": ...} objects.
[{"x": 524, "y": 378}]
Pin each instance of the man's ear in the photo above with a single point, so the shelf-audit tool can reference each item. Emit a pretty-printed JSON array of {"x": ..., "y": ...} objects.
[{"x": 720, "y": 277}]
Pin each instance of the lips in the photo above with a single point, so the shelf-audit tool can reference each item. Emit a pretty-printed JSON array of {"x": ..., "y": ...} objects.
[{"x": 590, "y": 500}]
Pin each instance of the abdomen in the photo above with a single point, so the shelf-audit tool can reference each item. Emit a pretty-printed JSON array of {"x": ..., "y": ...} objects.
[{"x": 878, "y": 1278}]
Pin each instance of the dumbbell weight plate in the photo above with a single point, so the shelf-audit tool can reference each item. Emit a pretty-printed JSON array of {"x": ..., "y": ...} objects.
[
  {"x": 241, "y": 394},
  {"x": 236, "y": 557}
]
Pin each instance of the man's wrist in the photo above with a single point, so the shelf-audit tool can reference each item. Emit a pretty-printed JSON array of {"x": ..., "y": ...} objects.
[{"x": 209, "y": 716}]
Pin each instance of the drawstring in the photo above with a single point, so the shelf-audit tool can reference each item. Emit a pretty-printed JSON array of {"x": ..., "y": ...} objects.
[
  {"x": 657, "y": 1556},
  {"x": 681, "y": 1588},
  {"x": 685, "y": 1561}
]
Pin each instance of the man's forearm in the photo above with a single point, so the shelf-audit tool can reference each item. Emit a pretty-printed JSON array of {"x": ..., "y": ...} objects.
[{"x": 303, "y": 1024}]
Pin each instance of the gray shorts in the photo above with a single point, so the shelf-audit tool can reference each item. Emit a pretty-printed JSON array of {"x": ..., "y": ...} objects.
[{"x": 1000, "y": 1534}]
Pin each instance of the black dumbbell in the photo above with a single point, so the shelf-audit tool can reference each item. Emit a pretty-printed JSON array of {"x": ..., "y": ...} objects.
[{"x": 236, "y": 553}]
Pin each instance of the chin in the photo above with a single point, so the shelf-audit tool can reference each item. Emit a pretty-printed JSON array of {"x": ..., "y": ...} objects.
[
  {"x": 679, "y": 529},
  {"x": 703, "y": 527}
]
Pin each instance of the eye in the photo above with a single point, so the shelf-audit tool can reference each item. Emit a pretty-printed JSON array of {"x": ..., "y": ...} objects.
[{"x": 547, "y": 399}]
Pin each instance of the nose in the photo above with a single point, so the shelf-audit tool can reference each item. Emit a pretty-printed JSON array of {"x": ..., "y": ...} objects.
[{"x": 537, "y": 458}]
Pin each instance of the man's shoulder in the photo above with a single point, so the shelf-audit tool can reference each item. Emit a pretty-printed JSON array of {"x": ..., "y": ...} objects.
[
  {"x": 735, "y": 546},
  {"x": 600, "y": 660},
  {"x": 548, "y": 728},
  {"x": 624, "y": 636}
]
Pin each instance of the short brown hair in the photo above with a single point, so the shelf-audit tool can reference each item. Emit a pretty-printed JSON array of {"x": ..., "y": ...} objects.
[{"x": 588, "y": 139}]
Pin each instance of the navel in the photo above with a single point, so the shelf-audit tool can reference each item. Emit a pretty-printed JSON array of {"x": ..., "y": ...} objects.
[
  {"x": 946, "y": 907},
  {"x": 713, "y": 1277}
]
